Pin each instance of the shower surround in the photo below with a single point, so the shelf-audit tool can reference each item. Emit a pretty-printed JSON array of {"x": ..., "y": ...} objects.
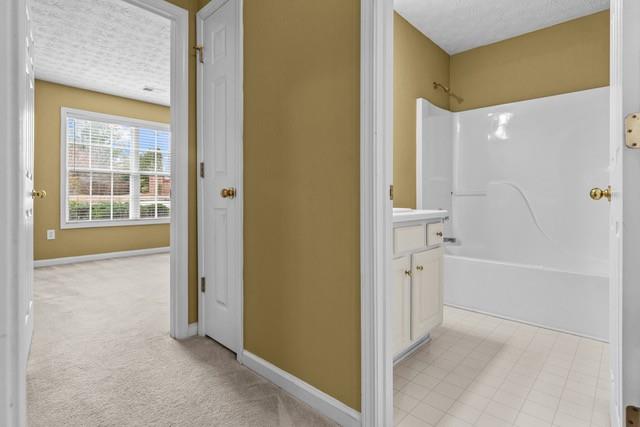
[{"x": 530, "y": 244}]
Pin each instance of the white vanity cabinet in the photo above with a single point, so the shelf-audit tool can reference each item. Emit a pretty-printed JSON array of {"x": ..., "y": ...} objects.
[
  {"x": 426, "y": 292},
  {"x": 401, "y": 312},
  {"x": 417, "y": 280}
]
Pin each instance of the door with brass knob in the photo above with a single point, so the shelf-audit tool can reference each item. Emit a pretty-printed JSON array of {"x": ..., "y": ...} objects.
[
  {"x": 220, "y": 151},
  {"x": 599, "y": 193},
  {"x": 228, "y": 193}
]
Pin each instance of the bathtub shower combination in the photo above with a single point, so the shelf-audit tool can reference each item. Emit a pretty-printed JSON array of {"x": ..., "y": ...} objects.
[{"x": 529, "y": 243}]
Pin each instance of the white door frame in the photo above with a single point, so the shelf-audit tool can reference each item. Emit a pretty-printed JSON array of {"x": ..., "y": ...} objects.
[
  {"x": 12, "y": 372},
  {"x": 625, "y": 293},
  {"x": 237, "y": 260},
  {"x": 376, "y": 155},
  {"x": 179, "y": 281}
]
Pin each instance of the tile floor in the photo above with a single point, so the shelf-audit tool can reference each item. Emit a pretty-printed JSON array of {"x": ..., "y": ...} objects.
[{"x": 484, "y": 371}]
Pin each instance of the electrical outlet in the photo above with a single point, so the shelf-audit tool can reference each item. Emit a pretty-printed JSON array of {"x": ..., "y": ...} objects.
[{"x": 51, "y": 234}]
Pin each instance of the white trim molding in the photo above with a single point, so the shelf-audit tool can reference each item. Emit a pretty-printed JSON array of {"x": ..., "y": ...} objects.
[
  {"x": 193, "y": 329},
  {"x": 180, "y": 57},
  {"x": 97, "y": 257},
  {"x": 237, "y": 258},
  {"x": 318, "y": 400},
  {"x": 376, "y": 127},
  {"x": 12, "y": 368}
]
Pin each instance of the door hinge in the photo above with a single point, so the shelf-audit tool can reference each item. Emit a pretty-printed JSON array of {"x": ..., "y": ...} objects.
[
  {"x": 391, "y": 192},
  {"x": 632, "y": 130},
  {"x": 203, "y": 285},
  {"x": 199, "y": 52},
  {"x": 201, "y": 169}
]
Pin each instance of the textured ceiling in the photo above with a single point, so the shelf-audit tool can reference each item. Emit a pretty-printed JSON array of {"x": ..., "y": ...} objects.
[
  {"x": 107, "y": 46},
  {"x": 459, "y": 25}
]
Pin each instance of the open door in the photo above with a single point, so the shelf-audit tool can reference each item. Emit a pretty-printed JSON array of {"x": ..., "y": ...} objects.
[
  {"x": 220, "y": 184},
  {"x": 625, "y": 211},
  {"x": 16, "y": 214}
]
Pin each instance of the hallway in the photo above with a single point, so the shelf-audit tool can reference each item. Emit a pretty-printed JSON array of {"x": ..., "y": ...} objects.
[{"x": 102, "y": 355}]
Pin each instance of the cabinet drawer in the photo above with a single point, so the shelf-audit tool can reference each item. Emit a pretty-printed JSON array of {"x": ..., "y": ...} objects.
[
  {"x": 435, "y": 233},
  {"x": 408, "y": 238}
]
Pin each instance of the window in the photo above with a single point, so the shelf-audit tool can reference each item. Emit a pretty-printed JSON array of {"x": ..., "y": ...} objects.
[{"x": 115, "y": 170}]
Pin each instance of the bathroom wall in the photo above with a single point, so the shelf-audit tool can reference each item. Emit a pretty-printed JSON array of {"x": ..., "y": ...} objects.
[
  {"x": 49, "y": 98},
  {"x": 564, "y": 58},
  {"x": 531, "y": 243},
  {"x": 418, "y": 62}
]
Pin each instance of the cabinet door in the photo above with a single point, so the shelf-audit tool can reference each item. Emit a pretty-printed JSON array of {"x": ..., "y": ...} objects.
[
  {"x": 426, "y": 292},
  {"x": 401, "y": 307}
]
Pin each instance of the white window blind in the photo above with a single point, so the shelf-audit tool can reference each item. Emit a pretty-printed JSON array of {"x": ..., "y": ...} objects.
[{"x": 117, "y": 170}]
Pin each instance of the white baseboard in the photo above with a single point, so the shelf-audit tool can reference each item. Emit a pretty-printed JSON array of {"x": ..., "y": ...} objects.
[
  {"x": 318, "y": 400},
  {"x": 192, "y": 331},
  {"x": 97, "y": 257}
]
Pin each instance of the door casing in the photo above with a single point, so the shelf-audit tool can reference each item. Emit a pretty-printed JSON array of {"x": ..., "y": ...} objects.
[
  {"x": 376, "y": 148},
  {"x": 179, "y": 234},
  {"x": 625, "y": 182},
  {"x": 237, "y": 261}
]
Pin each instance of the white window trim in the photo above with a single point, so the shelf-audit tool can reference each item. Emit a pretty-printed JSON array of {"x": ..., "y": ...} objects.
[{"x": 92, "y": 115}]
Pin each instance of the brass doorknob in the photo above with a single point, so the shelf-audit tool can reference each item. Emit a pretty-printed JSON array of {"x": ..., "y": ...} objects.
[
  {"x": 419, "y": 268},
  {"x": 38, "y": 194},
  {"x": 228, "y": 193},
  {"x": 407, "y": 272},
  {"x": 599, "y": 193}
]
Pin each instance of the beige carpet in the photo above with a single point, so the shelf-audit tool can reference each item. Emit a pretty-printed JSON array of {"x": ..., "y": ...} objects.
[{"x": 102, "y": 356}]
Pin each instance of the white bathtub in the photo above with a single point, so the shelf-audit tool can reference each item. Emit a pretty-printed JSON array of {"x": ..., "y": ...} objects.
[{"x": 556, "y": 299}]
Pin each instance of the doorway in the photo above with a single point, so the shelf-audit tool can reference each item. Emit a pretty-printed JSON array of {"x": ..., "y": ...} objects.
[
  {"x": 376, "y": 335},
  {"x": 21, "y": 270}
]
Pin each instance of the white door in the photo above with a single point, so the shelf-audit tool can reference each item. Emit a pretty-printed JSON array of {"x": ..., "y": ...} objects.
[
  {"x": 624, "y": 226},
  {"x": 27, "y": 152},
  {"x": 401, "y": 328},
  {"x": 426, "y": 292},
  {"x": 16, "y": 186},
  {"x": 221, "y": 156}
]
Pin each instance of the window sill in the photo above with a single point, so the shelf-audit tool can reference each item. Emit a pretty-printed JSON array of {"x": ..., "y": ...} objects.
[{"x": 109, "y": 223}]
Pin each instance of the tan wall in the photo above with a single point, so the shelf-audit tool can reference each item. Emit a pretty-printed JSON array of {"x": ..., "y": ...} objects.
[
  {"x": 567, "y": 57},
  {"x": 49, "y": 98},
  {"x": 301, "y": 178},
  {"x": 418, "y": 62}
]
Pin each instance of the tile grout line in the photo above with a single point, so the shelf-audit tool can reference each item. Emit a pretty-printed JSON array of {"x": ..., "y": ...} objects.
[
  {"x": 547, "y": 356},
  {"x": 565, "y": 385}
]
